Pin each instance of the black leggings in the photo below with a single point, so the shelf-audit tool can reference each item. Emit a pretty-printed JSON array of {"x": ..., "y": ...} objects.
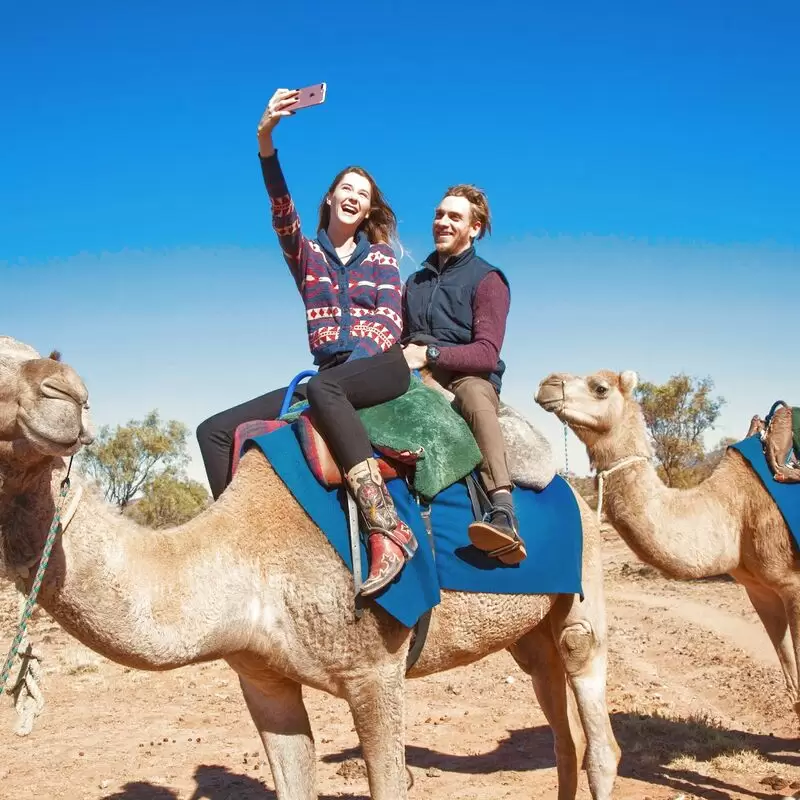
[
  {"x": 334, "y": 394},
  {"x": 215, "y": 435}
]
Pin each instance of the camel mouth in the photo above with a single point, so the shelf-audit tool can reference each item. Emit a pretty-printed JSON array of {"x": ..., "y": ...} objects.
[
  {"x": 550, "y": 396},
  {"x": 551, "y": 399},
  {"x": 553, "y": 405},
  {"x": 46, "y": 443}
]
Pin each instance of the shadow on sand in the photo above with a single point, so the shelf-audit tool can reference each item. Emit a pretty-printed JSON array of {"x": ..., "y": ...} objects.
[
  {"x": 213, "y": 783},
  {"x": 650, "y": 745}
]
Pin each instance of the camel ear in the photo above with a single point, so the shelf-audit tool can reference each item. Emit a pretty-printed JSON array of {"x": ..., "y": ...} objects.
[{"x": 628, "y": 381}]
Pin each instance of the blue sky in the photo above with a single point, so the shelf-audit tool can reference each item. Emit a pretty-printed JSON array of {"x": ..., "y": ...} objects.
[{"x": 641, "y": 162}]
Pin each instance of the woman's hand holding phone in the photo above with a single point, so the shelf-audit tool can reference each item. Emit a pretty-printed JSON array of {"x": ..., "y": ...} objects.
[{"x": 277, "y": 108}]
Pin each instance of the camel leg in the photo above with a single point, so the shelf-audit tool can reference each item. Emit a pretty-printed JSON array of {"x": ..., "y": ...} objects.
[
  {"x": 756, "y": 426},
  {"x": 581, "y": 638},
  {"x": 277, "y": 708},
  {"x": 776, "y": 457},
  {"x": 537, "y": 655},
  {"x": 378, "y": 703},
  {"x": 771, "y": 612},
  {"x": 787, "y": 474},
  {"x": 791, "y": 602}
]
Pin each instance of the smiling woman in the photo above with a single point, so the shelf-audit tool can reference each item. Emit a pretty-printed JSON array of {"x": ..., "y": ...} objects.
[{"x": 350, "y": 284}]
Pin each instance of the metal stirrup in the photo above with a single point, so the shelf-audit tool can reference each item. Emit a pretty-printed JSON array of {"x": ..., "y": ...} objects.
[{"x": 354, "y": 530}]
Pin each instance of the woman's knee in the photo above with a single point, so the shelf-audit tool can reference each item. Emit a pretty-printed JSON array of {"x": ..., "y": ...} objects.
[
  {"x": 216, "y": 430},
  {"x": 318, "y": 389},
  {"x": 205, "y": 430}
]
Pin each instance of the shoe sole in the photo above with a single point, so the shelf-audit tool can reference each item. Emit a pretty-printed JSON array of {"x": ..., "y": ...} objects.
[{"x": 487, "y": 538}]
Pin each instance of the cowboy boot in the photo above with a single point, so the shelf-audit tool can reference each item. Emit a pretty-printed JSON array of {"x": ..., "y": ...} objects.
[{"x": 390, "y": 541}]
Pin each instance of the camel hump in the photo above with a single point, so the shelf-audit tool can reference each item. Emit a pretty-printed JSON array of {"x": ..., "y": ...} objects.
[
  {"x": 14, "y": 349},
  {"x": 528, "y": 452}
]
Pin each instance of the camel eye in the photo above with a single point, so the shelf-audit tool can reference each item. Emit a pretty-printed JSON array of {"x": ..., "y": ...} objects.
[{"x": 601, "y": 391}]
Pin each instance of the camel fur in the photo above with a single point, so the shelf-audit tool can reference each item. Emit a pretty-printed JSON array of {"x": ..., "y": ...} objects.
[
  {"x": 253, "y": 581},
  {"x": 728, "y": 524}
]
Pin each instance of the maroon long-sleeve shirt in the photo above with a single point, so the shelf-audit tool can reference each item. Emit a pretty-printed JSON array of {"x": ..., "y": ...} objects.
[{"x": 490, "y": 307}]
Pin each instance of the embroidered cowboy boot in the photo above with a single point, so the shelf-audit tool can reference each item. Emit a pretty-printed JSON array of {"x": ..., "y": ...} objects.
[{"x": 390, "y": 541}]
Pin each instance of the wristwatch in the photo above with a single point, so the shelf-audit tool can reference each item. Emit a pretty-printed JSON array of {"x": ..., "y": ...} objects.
[{"x": 432, "y": 353}]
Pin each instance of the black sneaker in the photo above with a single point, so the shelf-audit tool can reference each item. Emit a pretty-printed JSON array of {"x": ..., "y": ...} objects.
[{"x": 496, "y": 534}]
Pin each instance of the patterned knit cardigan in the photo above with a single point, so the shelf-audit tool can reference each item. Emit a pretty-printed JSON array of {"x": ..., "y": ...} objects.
[{"x": 351, "y": 308}]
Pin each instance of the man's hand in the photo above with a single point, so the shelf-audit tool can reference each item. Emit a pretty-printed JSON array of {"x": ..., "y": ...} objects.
[{"x": 416, "y": 355}]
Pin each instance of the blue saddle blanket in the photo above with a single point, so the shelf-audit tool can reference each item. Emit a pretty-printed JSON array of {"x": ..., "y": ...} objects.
[
  {"x": 549, "y": 523},
  {"x": 785, "y": 495}
]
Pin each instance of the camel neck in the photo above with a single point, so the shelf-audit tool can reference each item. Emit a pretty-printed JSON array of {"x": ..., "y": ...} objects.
[
  {"x": 685, "y": 533},
  {"x": 137, "y": 596}
]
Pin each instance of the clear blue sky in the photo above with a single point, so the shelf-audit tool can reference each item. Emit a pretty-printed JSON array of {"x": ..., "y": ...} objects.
[{"x": 642, "y": 165}]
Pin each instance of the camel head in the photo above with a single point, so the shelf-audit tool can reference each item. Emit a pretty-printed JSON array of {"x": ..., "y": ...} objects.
[
  {"x": 44, "y": 409},
  {"x": 601, "y": 410}
]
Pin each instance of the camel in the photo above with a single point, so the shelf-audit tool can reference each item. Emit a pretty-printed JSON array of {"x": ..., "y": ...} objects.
[
  {"x": 234, "y": 584},
  {"x": 726, "y": 525}
]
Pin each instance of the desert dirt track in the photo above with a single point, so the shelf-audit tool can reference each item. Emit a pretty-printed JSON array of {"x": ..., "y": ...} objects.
[{"x": 696, "y": 696}]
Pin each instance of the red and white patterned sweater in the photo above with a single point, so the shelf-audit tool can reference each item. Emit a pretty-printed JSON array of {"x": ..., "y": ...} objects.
[{"x": 351, "y": 308}]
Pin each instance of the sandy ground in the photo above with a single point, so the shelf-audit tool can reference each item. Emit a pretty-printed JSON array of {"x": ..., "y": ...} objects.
[{"x": 696, "y": 697}]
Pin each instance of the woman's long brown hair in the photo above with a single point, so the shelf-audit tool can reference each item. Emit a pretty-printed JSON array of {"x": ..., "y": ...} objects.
[{"x": 380, "y": 226}]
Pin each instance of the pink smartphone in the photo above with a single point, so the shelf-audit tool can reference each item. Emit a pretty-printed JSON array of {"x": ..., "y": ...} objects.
[{"x": 310, "y": 96}]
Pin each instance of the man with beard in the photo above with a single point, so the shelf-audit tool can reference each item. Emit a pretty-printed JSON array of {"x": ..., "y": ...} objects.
[{"x": 455, "y": 310}]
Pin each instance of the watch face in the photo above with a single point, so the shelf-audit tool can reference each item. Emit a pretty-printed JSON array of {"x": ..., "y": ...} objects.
[{"x": 433, "y": 352}]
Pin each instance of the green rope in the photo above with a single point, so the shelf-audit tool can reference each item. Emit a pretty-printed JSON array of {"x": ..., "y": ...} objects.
[{"x": 37, "y": 585}]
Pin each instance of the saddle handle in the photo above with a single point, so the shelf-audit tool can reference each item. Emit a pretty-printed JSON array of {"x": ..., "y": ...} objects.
[
  {"x": 775, "y": 406},
  {"x": 287, "y": 398}
]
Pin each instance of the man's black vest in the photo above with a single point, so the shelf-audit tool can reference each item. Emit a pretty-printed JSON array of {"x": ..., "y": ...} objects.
[{"x": 438, "y": 306}]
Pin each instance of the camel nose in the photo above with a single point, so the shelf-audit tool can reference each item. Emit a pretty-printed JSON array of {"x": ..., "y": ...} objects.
[
  {"x": 88, "y": 432},
  {"x": 554, "y": 379},
  {"x": 551, "y": 388}
]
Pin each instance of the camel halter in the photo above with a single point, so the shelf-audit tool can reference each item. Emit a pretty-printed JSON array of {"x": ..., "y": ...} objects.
[
  {"x": 625, "y": 462},
  {"x": 29, "y": 700}
]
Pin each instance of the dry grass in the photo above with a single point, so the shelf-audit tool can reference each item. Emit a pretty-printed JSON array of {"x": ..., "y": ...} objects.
[
  {"x": 79, "y": 660},
  {"x": 638, "y": 570},
  {"x": 684, "y": 764},
  {"x": 743, "y": 761},
  {"x": 685, "y": 742}
]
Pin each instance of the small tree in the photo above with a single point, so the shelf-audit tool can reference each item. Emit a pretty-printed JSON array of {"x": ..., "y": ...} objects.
[
  {"x": 168, "y": 499},
  {"x": 677, "y": 414},
  {"x": 710, "y": 462},
  {"x": 584, "y": 486},
  {"x": 122, "y": 461}
]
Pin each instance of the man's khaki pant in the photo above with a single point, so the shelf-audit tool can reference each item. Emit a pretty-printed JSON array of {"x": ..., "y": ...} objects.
[{"x": 477, "y": 401}]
